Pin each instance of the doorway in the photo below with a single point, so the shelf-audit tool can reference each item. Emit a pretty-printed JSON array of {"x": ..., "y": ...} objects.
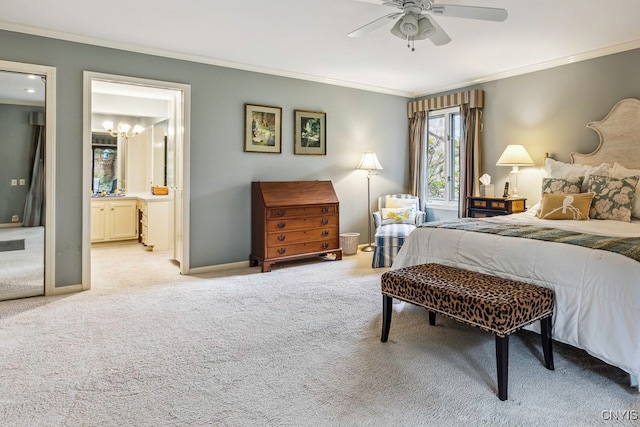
[{"x": 136, "y": 136}]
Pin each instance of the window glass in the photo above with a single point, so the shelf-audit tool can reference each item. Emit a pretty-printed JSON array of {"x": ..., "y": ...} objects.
[{"x": 443, "y": 156}]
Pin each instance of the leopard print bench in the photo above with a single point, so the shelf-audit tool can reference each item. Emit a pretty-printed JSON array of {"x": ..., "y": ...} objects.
[{"x": 497, "y": 305}]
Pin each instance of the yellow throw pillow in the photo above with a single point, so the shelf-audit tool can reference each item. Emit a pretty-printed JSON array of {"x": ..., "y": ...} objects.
[{"x": 565, "y": 206}]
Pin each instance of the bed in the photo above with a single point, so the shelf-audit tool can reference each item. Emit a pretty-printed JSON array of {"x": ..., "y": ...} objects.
[{"x": 597, "y": 291}]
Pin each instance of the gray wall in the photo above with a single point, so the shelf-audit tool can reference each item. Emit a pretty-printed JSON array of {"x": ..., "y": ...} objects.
[
  {"x": 221, "y": 172},
  {"x": 547, "y": 111},
  {"x": 15, "y": 149}
]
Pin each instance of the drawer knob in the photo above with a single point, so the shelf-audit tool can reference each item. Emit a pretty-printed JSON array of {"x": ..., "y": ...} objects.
[
  {"x": 325, "y": 221},
  {"x": 281, "y": 213},
  {"x": 282, "y": 237},
  {"x": 282, "y": 224},
  {"x": 325, "y": 245},
  {"x": 325, "y": 233},
  {"x": 325, "y": 210},
  {"x": 281, "y": 251}
]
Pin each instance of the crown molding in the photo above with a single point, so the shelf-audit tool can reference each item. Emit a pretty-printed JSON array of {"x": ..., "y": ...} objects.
[
  {"x": 61, "y": 35},
  {"x": 592, "y": 54}
]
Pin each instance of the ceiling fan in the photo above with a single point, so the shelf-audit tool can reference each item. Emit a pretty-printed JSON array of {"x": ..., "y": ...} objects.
[{"x": 415, "y": 22}]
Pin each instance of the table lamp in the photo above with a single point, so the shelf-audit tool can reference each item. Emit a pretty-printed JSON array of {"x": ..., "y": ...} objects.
[{"x": 515, "y": 156}]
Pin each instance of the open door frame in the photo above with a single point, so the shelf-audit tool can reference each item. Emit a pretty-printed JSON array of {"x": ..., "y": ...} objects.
[{"x": 183, "y": 117}]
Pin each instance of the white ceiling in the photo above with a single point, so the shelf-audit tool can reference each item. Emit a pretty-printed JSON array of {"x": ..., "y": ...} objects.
[{"x": 308, "y": 38}]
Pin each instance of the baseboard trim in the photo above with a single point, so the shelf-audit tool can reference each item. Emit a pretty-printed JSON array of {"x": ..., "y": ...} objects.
[
  {"x": 61, "y": 290},
  {"x": 218, "y": 267}
]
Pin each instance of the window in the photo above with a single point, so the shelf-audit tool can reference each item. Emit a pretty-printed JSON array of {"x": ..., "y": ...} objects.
[{"x": 442, "y": 180}]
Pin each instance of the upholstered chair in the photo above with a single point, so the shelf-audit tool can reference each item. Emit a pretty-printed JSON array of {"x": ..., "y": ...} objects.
[{"x": 397, "y": 216}]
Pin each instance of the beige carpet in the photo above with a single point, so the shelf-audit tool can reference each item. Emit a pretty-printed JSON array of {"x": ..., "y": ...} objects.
[{"x": 299, "y": 346}]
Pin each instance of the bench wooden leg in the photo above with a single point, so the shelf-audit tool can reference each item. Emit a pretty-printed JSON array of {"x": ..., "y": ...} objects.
[
  {"x": 432, "y": 318},
  {"x": 545, "y": 331},
  {"x": 502, "y": 359},
  {"x": 387, "y": 309}
]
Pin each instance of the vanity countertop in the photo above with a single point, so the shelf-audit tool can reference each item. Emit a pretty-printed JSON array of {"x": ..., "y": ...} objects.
[{"x": 133, "y": 196}]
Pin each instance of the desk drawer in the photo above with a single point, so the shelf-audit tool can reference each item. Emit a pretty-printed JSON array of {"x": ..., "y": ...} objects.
[
  {"x": 302, "y": 248},
  {"x": 275, "y": 225},
  {"x": 291, "y": 237},
  {"x": 301, "y": 211}
]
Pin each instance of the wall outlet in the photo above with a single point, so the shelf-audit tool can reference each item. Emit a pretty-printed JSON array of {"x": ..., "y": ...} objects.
[
  {"x": 22, "y": 181},
  {"x": 14, "y": 182},
  {"x": 15, "y": 218}
]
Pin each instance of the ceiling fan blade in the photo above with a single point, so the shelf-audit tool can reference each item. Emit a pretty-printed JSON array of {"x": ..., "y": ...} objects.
[
  {"x": 470, "y": 12},
  {"x": 374, "y": 25},
  {"x": 440, "y": 37}
]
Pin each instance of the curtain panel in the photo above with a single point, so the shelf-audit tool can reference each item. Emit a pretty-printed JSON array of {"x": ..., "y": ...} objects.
[
  {"x": 33, "y": 215},
  {"x": 471, "y": 103}
]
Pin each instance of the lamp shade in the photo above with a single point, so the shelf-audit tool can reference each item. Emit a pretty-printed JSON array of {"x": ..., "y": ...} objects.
[
  {"x": 515, "y": 155},
  {"x": 369, "y": 162}
]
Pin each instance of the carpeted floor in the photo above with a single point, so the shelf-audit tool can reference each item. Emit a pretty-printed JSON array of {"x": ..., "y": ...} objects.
[{"x": 299, "y": 346}]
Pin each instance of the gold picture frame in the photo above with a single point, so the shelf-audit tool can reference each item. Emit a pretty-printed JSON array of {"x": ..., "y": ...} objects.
[
  {"x": 310, "y": 135},
  {"x": 263, "y": 129}
]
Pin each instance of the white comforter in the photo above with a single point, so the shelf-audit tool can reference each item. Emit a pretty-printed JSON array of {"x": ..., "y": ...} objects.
[{"x": 597, "y": 292}]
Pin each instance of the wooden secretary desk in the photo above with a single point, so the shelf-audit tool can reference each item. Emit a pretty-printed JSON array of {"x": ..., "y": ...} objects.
[{"x": 293, "y": 219}]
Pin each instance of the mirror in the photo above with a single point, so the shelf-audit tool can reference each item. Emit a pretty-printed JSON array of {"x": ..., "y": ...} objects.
[
  {"x": 134, "y": 160},
  {"x": 22, "y": 184}
]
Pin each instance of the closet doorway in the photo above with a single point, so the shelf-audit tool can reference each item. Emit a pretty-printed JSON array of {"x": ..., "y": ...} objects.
[{"x": 136, "y": 136}]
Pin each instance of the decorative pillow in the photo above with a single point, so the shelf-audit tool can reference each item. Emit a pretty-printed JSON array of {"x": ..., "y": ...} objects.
[
  {"x": 394, "y": 202},
  {"x": 619, "y": 171},
  {"x": 571, "y": 185},
  {"x": 613, "y": 197},
  {"x": 398, "y": 216},
  {"x": 557, "y": 169},
  {"x": 565, "y": 206},
  {"x": 562, "y": 185}
]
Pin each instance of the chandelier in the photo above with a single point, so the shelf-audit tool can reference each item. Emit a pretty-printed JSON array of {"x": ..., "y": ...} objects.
[{"x": 123, "y": 130}]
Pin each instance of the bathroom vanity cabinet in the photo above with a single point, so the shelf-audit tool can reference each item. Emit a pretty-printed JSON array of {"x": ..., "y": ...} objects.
[{"x": 114, "y": 219}]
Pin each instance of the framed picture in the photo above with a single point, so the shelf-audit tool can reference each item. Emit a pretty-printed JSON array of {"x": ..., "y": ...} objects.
[
  {"x": 310, "y": 133},
  {"x": 263, "y": 129}
]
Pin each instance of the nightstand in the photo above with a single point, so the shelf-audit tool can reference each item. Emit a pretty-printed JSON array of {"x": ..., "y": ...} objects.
[{"x": 482, "y": 207}]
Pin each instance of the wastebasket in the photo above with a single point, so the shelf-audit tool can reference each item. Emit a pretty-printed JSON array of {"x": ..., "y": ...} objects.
[{"x": 349, "y": 243}]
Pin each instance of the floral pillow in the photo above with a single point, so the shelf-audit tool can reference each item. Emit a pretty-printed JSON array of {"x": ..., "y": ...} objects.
[
  {"x": 613, "y": 197},
  {"x": 398, "y": 216},
  {"x": 620, "y": 171},
  {"x": 562, "y": 185}
]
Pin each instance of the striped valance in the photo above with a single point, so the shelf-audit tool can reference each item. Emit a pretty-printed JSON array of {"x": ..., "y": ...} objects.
[{"x": 475, "y": 99}]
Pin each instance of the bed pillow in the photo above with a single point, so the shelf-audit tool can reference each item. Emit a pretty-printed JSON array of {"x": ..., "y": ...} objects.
[
  {"x": 619, "y": 171},
  {"x": 558, "y": 169},
  {"x": 398, "y": 216},
  {"x": 565, "y": 206},
  {"x": 613, "y": 197},
  {"x": 562, "y": 185}
]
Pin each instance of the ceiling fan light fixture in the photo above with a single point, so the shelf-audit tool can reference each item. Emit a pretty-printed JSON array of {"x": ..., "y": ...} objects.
[
  {"x": 425, "y": 28},
  {"x": 395, "y": 30},
  {"x": 409, "y": 24}
]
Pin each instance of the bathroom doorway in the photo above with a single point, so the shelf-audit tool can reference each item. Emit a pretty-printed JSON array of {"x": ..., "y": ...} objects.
[{"x": 136, "y": 138}]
